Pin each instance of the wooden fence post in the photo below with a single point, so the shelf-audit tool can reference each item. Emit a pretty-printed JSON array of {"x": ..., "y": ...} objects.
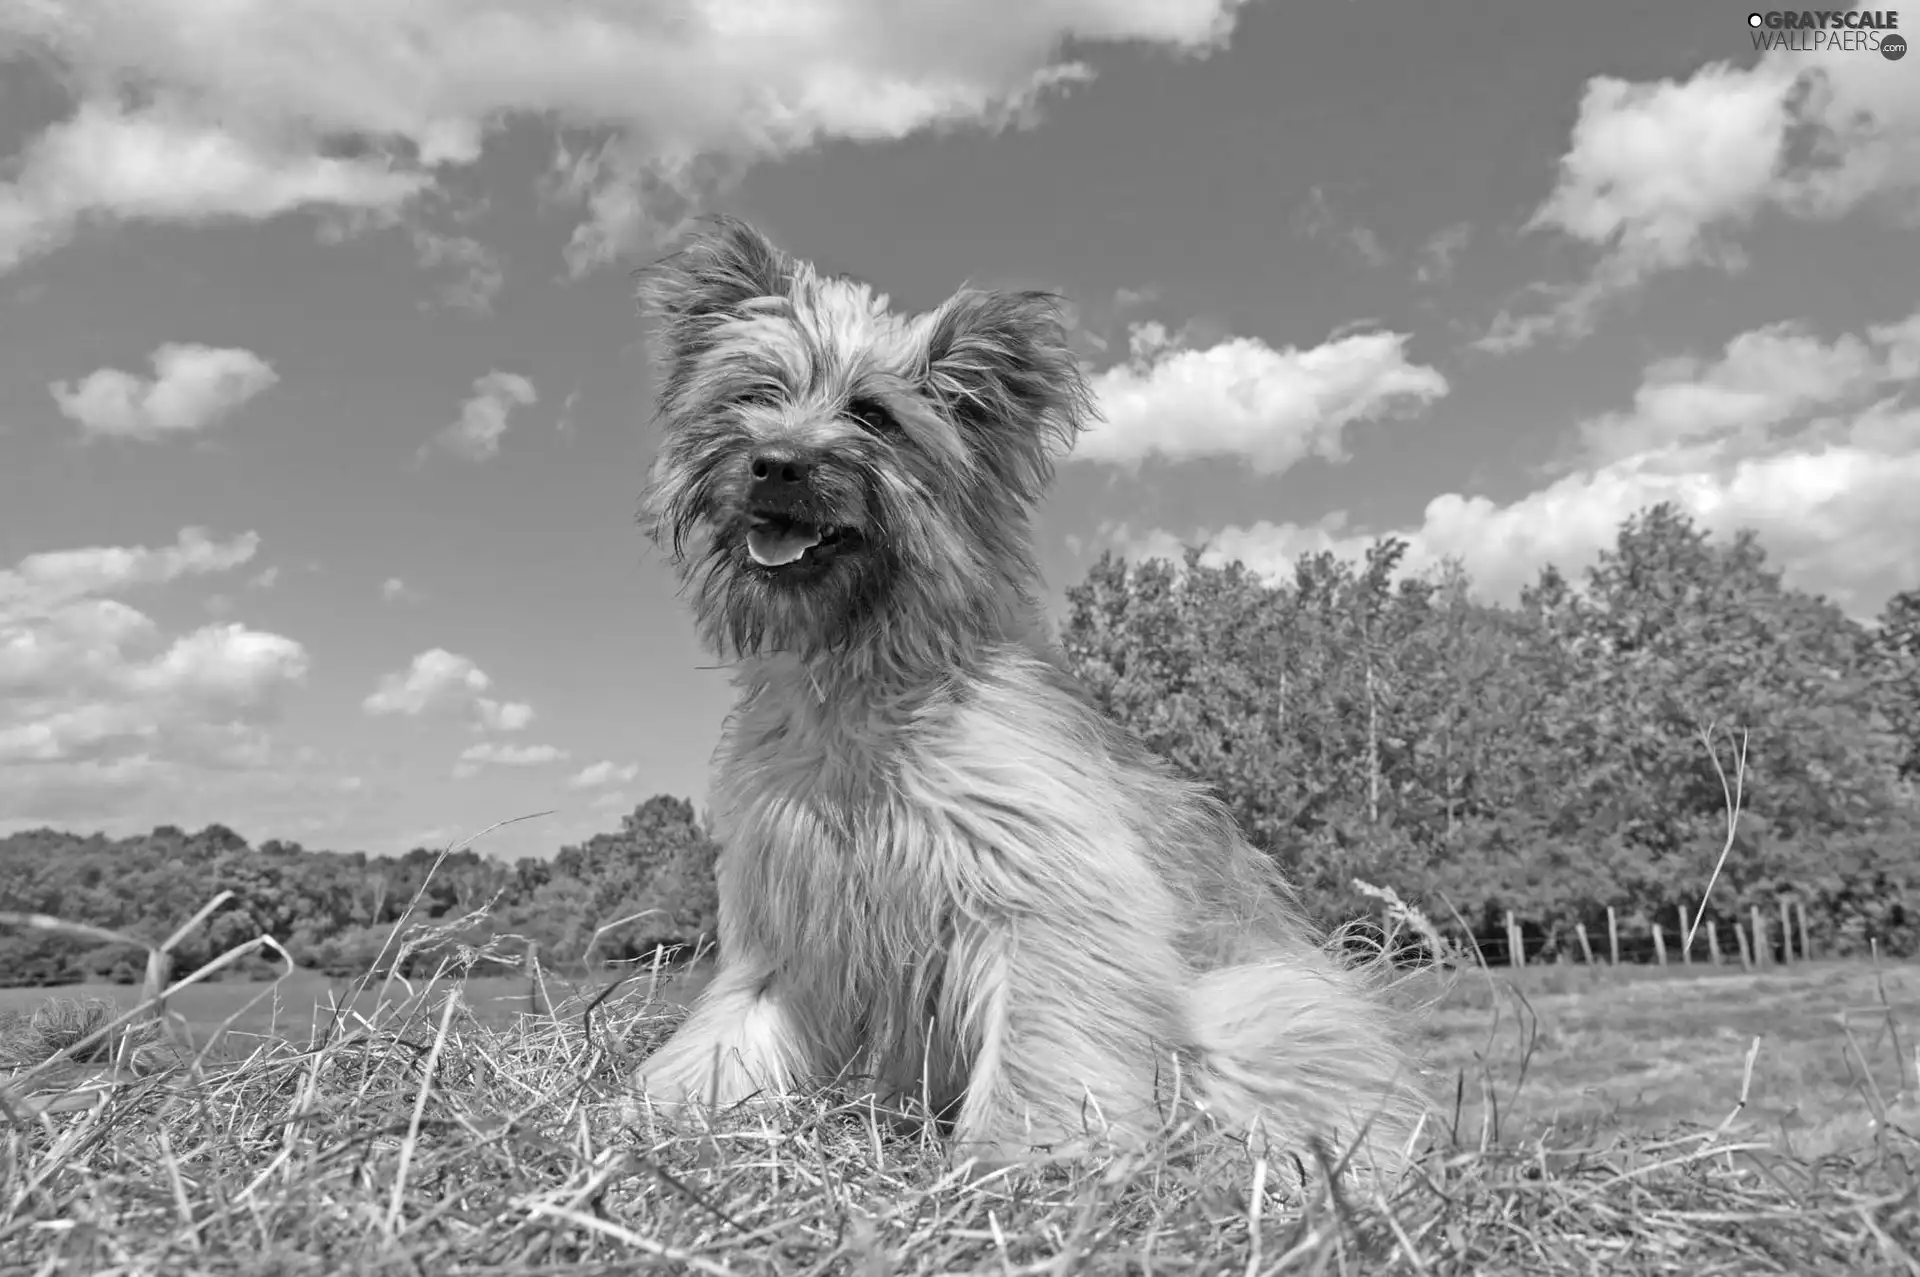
[
  {"x": 1659, "y": 945},
  {"x": 1686, "y": 933},
  {"x": 1746, "y": 958},
  {"x": 1516, "y": 945},
  {"x": 1479, "y": 954},
  {"x": 159, "y": 976},
  {"x": 1760, "y": 949},
  {"x": 1585, "y": 948},
  {"x": 1713, "y": 941},
  {"x": 1613, "y": 938},
  {"x": 1806, "y": 946},
  {"x": 1786, "y": 936}
]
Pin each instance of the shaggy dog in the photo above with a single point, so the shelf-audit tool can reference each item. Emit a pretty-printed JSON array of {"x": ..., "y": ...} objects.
[{"x": 943, "y": 871}]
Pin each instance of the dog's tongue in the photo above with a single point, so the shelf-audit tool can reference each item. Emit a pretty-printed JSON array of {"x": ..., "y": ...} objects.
[{"x": 776, "y": 545}]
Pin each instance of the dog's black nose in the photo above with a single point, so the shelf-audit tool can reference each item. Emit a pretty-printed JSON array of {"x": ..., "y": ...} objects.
[
  {"x": 779, "y": 480},
  {"x": 776, "y": 470}
]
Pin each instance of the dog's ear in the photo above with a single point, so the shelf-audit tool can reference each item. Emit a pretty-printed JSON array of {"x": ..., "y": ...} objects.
[
  {"x": 721, "y": 268},
  {"x": 1001, "y": 364}
]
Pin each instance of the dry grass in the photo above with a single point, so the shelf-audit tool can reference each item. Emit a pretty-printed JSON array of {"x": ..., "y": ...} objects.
[
  {"x": 409, "y": 1134},
  {"x": 298, "y": 1006},
  {"x": 416, "y": 1136}
]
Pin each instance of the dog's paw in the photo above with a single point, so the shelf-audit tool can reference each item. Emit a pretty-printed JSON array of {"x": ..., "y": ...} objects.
[{"x": 670, "y": 1092}]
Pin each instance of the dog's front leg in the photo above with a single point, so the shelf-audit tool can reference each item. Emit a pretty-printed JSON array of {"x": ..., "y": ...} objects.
[
  {"x": 1064, "y": 1022},
  {"x": 741, "y": 1041}
]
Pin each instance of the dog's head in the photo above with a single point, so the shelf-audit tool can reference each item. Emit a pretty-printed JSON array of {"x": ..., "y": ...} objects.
[{"x": 832, "y": 470}]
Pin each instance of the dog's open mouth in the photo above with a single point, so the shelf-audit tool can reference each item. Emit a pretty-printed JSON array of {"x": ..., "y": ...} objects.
[{"x": 775, "y": 541}]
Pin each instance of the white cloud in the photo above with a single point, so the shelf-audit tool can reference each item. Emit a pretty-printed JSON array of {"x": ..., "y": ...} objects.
[
  {"x": 565, "y": 425},
  {"x": 394, "y": 590},
  {"x": 265, "y": 579},
  {"x": 1242, "y": 398},
  {"x": 171, "y": 162},
  {"x": 269, "y": 792},
  {"x": 474, "y": 757},
  {"x": 222, "y": 666},
  {"x": 45, "y": 580},
  {"x": 77, "y": 645},
  {"x": 1271, "y": 549},
  {"x": 259, "y": 107},
  {"x": 1653, "y": 167},
  {"x": 439, "y": 681},
  {"x": 193, "y": 387},
  {"x": 97, "y": 703},
  {"x": 431, "y": 836},
  {"x": 1831, "y": 494},
  {"x": 512, "y": 755},
  {"x": 1440, "y": 252},
  {"x": 1317, "y": 218},
  {"x": 503, "y": 716},
  {"x": 603, "y": 773},
  {"x": 479, "y": 275},
  {"x": 1662, "y": 175},
  {"x": 1765, "y": 377},
  {"x": 485, "y": 416}
]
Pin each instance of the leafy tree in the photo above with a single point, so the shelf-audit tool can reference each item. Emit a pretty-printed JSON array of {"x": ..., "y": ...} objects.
[
  {"x": 656, "y": 873},
  {"x": 1544, "y": 758},
  {"x": 1896, "y": 650}
]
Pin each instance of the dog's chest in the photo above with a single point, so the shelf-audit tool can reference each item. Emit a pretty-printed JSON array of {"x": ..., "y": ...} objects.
[{"x": 822, "y": 849}]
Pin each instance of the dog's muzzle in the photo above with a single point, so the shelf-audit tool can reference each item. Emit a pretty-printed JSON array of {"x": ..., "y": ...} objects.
[{"x": 784, "y": 524}]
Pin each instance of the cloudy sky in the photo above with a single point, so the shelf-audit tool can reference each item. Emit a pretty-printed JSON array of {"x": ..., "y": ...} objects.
[{"x": 324, "y": 403}]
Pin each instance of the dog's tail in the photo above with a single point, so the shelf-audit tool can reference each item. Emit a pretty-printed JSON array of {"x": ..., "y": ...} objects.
[{"x": 1301, "y": 1047}]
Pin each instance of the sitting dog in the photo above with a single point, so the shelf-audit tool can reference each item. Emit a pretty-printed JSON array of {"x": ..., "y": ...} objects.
[{"x": 943, "y": 870}]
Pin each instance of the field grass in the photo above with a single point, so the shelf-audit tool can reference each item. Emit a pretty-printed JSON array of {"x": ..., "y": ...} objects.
[
  {"x": 430, "y": 1133},
  {"x": 1644, "y": 1048},
  {"x": 244, "y": 1011},
  {"x": 1636, "y": 1048}
]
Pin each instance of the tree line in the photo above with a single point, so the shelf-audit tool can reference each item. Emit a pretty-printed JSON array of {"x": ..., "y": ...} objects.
[
  {"x": 1549, "y": 757},
  {"x": 1553, "y": 757},
  {"x": 335, "y": 911}
]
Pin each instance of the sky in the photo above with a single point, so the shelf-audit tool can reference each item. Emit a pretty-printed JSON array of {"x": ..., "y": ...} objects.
[{"x": 325, "y": 402}]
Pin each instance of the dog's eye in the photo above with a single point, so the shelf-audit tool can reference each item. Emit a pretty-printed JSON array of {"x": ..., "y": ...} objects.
[
  {"x": 760, "y": 396},
  {"x": 873, "y": 416}
]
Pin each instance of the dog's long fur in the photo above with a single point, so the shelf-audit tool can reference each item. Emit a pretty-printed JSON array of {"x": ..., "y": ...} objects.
[{"x": 943, "y": 870}]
